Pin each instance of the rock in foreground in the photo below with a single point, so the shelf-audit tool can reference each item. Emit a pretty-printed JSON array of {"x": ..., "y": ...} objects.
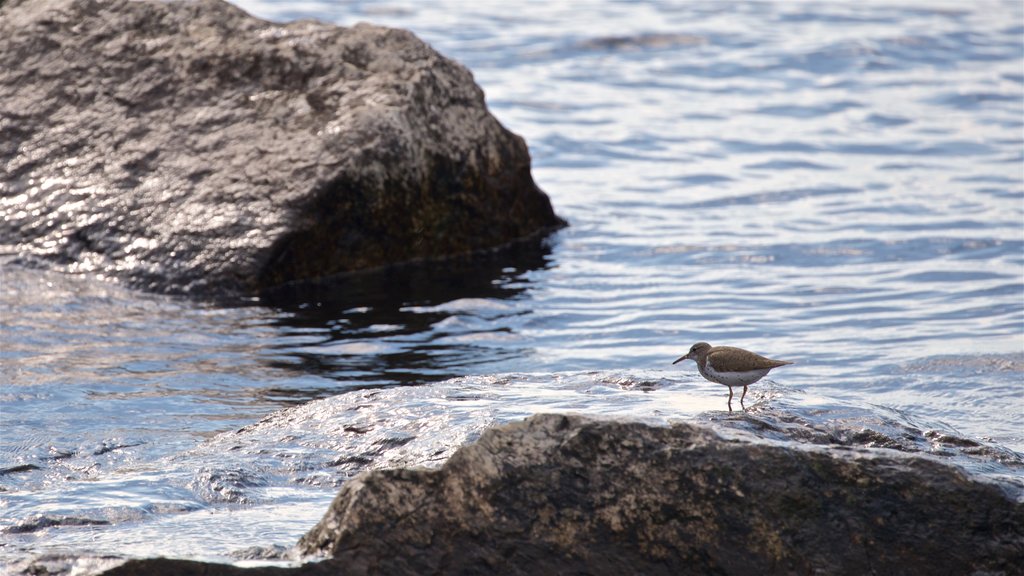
[
  {"x": 570, "y": 495},
  {"x": 189, "y": 147},
  {"x": 557, "y": 494}
]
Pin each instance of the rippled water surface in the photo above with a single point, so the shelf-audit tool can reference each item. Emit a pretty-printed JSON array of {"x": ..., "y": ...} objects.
[{"x": 837, "y": 184}]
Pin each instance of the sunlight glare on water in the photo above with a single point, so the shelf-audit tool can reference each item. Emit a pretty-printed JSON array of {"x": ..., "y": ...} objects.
[{"x": 838, "y": 184}]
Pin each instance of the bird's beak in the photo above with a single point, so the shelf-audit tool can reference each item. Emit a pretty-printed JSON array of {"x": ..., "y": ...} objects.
[{"x": 681, "y": 358}]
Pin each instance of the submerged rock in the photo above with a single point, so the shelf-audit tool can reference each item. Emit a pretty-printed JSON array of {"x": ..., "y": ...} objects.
[{"x": 189, "y": 147}]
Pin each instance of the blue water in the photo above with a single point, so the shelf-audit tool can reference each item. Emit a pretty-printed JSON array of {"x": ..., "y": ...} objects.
[{"x": 837, "y": 184}]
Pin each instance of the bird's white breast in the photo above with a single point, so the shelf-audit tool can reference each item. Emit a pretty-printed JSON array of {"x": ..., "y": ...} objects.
[{"x": 734, "y": 378}]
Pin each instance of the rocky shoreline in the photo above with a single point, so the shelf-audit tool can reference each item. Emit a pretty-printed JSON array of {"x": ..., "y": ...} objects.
[
  {"x": 558, "y": 494},
  {"x": 188, "y": 148}
]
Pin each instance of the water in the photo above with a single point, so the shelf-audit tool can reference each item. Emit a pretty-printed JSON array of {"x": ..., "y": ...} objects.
[{"x": 838, "y": 184}]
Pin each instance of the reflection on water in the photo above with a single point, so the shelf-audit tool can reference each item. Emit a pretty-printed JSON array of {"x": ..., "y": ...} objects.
[
  {"x": 393, "y": 326},
  {"x": 836, "y": 183}
]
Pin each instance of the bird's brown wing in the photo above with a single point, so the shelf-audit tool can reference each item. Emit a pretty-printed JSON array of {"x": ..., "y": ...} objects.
[{"x": 729, "y": 359}]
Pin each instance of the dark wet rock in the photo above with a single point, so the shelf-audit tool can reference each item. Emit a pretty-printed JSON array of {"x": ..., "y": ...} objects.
[
  {"x": 563, "y": 494},
  {"x": 225, "y": 486},
  {"x": 189, "y": 147},
  {"x": 40, "y": 522},
  {"x": 18, "y": 469},
  {"x": 108, "y": 446},
  {"x": 275, "y": 552},
  {"x": 950, "y": 440}
]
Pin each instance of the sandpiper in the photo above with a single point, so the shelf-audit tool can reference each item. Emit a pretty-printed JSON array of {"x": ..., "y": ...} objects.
[{"x": 730, "y": 366}]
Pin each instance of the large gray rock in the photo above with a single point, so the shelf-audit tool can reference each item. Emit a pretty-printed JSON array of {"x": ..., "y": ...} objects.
[{"x": 186, "y": 146}]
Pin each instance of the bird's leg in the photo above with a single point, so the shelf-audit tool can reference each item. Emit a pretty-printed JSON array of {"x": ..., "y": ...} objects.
[
  {"x": 744, "y": 394},
  {"x": 730, "y": 398}
]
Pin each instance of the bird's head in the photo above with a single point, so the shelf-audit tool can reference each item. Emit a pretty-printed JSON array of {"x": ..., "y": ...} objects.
[{"x": 695, "y": 352}]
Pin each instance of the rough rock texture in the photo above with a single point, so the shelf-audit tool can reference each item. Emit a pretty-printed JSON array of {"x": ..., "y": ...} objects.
[
  {"x": 186, "y": 146},
  {"x": 570, "y": 495},
  {"x": 559, "y": 494}
]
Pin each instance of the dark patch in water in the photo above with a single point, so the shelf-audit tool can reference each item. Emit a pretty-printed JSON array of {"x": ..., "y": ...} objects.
[
  {"x": 19, "y": 468},
  {"x": 387, "y": 443},
  {"x": 41, "y": 522},
  {"x": 111, "y": 447}
]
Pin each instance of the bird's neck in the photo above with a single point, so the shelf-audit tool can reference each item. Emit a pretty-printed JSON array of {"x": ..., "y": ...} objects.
[{"x": 702, "y": 364}]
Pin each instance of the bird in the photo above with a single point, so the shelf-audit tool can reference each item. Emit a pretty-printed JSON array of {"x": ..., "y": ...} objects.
[{"x": 730, "y": 366}]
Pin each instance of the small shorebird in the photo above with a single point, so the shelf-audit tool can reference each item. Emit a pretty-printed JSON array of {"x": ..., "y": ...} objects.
[{"x": 730, "y": 366}]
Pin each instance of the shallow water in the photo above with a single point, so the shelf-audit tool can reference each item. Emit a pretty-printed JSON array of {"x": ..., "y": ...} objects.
[{"x": 838, "y": 184}]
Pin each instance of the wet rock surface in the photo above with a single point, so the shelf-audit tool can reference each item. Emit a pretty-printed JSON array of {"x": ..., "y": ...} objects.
[
  {"x": 567, "y": 494},
  {"x": 576, "y": 494},
  {"x": 188, "y": 147}
]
